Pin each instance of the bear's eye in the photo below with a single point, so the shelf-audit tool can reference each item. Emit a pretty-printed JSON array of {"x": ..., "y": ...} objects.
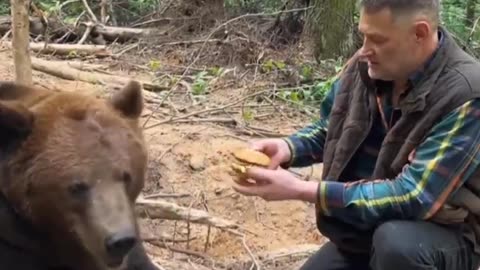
[
  {"x": 127, "y": 178},
  {"x": 79, "y": 189}
]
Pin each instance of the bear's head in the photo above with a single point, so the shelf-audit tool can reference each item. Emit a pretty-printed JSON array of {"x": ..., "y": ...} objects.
[{"x": 73, "y": 165}]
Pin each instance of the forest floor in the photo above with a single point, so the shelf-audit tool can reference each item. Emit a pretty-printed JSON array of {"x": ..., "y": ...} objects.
[{"x": 189, "y": 156}]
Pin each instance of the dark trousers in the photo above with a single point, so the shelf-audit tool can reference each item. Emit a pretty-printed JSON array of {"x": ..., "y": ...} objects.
[{"x": 402, "y": 245}]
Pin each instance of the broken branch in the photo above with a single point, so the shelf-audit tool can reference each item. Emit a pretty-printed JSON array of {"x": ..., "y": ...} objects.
[
  {"x": 165, "y": 195},
  {"x": 90, "y": 12},
  {"x": 62, "y": 70},
  {"x": 166, "y": 210},
  {"x": 179, "y": 250}
]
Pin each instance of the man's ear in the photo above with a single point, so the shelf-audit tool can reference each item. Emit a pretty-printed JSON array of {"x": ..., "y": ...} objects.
[
  {"x": 422, "y": 31},
  {"x": 129, "y": 100},
  {"x": 16, "y": 123}
]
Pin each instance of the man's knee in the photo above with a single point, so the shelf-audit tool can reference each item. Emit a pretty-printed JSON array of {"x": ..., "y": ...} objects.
[{"x": 394, "y": 246}]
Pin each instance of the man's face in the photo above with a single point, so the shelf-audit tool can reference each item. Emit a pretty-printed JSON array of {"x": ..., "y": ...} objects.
[{"x": 389, "y": 45}]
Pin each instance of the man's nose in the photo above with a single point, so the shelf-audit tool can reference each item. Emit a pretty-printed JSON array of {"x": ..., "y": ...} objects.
[{"x": 365, "y": 51}]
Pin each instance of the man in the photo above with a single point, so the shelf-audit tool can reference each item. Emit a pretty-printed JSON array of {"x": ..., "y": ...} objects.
[{"x": 399, "y": 140}]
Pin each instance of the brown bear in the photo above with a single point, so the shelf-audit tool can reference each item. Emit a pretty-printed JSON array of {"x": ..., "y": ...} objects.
[{"x": 71, "y": 168}]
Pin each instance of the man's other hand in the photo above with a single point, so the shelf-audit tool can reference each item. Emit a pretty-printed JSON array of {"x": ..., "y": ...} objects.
[{"x": 276, "y": 149}]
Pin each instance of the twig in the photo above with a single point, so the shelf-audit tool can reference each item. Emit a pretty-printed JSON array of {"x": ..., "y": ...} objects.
[
  {"x": 89, "y": 29},
  {"x": 188, "y": 218},
  {"x": 164, "y": 238},
  {"x": 179, "y": 250},
  {"x": 158, "y": 266},
  {"x": 203, "y": 120},
  {"x": 164, "y": 19},
  {"x": 6, "y": 35},
  {"x": 206, "y": 110},
  {"x": 275, "y": 107},
  {"x": 168, "y": 150},
  {"x": 166, "y": 210},
  {"x": 190, "y": 42},
  {"x": 165, "y": 195},
  {"x": 131, "y": 47},
  {"x": 89, "y": 10},
  {"x": 103, "y": 11},
  {"x": 262, "y": 132},
  {"x": 66, "y": 3},
  {"x": 473, "y": 30},
  {"x": 207, "y": 241},
  {"x": 250, "y": 253}
]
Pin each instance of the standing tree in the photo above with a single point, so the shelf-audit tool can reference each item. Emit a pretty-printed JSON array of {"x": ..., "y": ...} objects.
[
  {"x": 331, "y": 25},
  {"x": 20, "y": 42}
]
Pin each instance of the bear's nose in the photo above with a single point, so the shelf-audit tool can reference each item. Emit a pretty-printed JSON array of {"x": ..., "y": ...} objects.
[{"x": 119, "y": 244}]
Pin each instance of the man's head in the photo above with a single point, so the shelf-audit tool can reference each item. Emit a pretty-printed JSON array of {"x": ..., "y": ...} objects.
[{"x": 399, "y": 35}]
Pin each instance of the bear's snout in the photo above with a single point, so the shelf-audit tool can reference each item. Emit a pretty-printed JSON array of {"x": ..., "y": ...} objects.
[{"x": 120, "y": 243}]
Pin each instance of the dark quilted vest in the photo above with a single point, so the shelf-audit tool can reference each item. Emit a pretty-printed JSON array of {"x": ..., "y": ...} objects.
[{"x": 452, "y": 78}]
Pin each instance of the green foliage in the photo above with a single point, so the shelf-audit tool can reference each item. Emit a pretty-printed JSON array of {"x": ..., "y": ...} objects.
[
  {"x": 306, "y": 72},
  {"x": 308, "y": 94},
  {"x": 200, "y": 83},
  {"x": 271, "y": 65},
  {"x": 125, "y": 11},
  {"x": 215, "y": 71},
  {"x": 154, "y": 65},
  {"x": 454, "y": 18},
  {"x": 4, "y": 8}
]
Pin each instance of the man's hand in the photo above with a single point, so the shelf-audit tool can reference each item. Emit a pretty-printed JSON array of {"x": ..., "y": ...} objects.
[
  {"x": 276, "y": 149},
  {"x": 275, "y": 185}
]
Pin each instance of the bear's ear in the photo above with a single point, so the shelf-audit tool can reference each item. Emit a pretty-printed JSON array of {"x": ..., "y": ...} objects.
[
  {"x": 129, "y": 100},
  {"x": 16, "y": 123}
]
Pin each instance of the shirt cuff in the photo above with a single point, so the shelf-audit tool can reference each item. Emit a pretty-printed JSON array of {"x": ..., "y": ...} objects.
[
  {"x": 291, "y": 142},
  {"x": 296, "y": 146},
  {"x": 330, "y": 196}
]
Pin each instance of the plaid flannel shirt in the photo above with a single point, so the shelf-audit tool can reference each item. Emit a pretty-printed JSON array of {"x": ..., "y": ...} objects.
[{"x": 436, "y": 168}]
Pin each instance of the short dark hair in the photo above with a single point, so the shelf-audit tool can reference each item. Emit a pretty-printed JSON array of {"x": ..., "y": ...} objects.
[{"x": 431, "y": 8}]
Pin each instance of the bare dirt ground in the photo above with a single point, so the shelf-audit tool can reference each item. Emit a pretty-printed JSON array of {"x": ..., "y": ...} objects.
[{"x": 189, "y": 158}]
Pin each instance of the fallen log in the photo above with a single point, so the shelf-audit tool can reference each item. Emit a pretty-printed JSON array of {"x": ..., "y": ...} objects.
[
  {"x": 37, "y": 27},
  {"x": 98, "y": 33},
  {"x": 121, "y": 34},
  {"x": 63, "y": 70},
  {"x": 165, "y": 210},
  {"x": 67, "y": 49}
]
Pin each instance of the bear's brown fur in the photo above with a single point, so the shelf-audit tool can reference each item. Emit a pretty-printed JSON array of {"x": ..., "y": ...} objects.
[{"x": 71, "y": 167}]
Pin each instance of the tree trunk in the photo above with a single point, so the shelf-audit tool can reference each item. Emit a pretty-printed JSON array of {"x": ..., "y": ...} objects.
[
  {"x": 20, "y": 41},
  {"x": 330, "y": 24}
]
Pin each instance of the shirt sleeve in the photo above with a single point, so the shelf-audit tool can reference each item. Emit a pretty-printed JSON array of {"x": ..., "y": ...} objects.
[
  {"x": 437, "y": 168},
  {"x": 306, "y": 145}
]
